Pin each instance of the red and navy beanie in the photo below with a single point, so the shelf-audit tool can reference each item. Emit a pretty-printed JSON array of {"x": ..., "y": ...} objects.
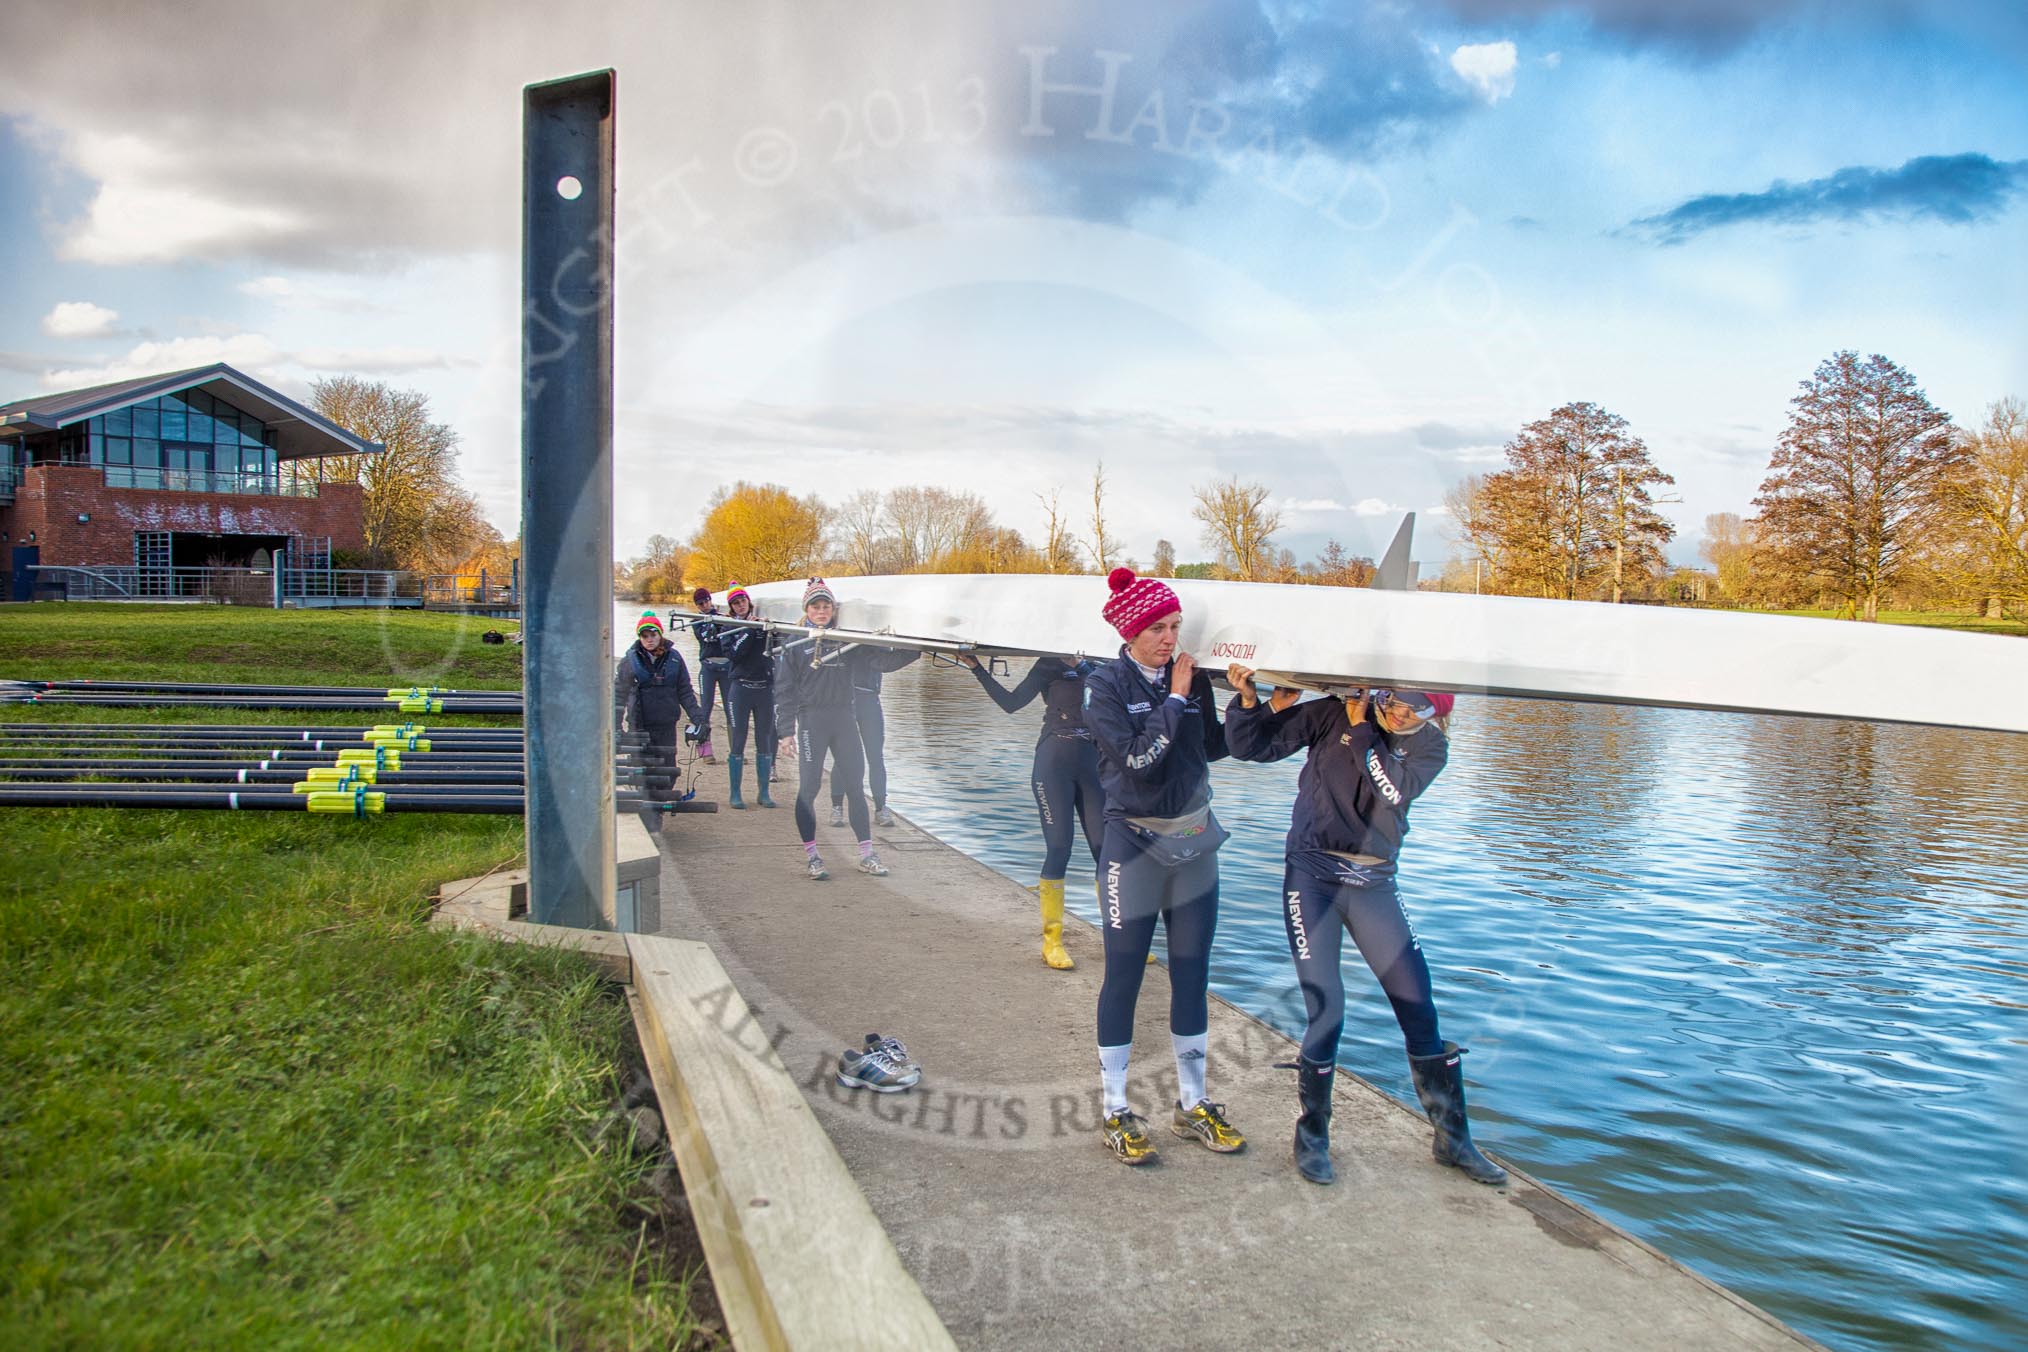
[
  {"x": 818, "y": 590},
  {"x": 1137, "y": 602}
]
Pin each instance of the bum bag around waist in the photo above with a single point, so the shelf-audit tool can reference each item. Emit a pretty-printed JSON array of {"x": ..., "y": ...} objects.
[{"x": 1170, "y": 841}]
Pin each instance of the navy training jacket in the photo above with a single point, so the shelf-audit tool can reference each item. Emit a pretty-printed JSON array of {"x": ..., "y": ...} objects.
[
  {"x": 800, "y": 685},
  {"x": 1355, "y": 789},
  {"x": 1154, "y": 752},
  {"x": 710, "y": 637},
  {"x": 653, "y": 692},
  {"x": 752, "y": 657},
  {"x": 1060, "y": 687}
]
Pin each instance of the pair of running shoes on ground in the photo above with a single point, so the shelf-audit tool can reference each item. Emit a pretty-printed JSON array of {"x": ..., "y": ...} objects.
[
  {"x": 1126, "y": 1132},
  {"x": 883, "y": 1065},
  {"x": 881, "y": 816},
  {"x": 869, "y": 863}
]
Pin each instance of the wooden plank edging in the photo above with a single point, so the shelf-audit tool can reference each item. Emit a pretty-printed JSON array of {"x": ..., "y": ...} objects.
[{"x": 797, "y": 1256}]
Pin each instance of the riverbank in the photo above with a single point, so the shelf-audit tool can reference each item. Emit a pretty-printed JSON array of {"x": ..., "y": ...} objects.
[
  {"x": 1022, "y": 1230},
  {"x": 252, "y": 1096}
]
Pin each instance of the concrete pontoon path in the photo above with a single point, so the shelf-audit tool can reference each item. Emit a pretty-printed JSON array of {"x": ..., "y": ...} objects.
[{"x": 1025, "y": 1233}]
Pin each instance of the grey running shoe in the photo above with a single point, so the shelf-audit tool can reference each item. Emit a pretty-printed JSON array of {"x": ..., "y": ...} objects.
[
  {"x": 870, "y": 864},
  {"x": 837, "y": 814},
  {"x": 883, "y": 817},
  {"x": 873, "y": 1069},
  {"x": 818, "y": 873},
  {"x": 897, "y": 1055}
]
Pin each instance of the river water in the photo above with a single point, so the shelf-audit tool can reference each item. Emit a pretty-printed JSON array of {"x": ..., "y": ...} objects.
[{"x": 1754, "y": 988}]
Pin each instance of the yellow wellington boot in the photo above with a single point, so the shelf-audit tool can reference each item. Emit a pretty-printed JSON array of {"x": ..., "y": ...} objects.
[{"x": 1053, "y": 951}]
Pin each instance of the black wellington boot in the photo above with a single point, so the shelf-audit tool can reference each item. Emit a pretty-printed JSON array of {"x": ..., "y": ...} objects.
[
  {"x": 1440, "y": 1084},
  {"x": 1313, "y": 1128}
]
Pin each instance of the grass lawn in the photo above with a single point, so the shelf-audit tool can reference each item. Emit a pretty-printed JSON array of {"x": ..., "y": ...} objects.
[
  {"x": 1929, "y": 619},
  {"x": 250, "y": 1098}
]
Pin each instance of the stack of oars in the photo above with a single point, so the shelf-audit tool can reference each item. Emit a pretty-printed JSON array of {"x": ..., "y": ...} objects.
[
  {"x": 185, "y": 694},
  {"x": 351, "y": 771}
]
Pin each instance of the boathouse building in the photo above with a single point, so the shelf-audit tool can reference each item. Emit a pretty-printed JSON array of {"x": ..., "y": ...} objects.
[{"x": 150, "y": 478}]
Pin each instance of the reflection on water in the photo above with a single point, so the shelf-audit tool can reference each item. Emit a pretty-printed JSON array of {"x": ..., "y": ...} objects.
[{"x": 1751, "y": 986}]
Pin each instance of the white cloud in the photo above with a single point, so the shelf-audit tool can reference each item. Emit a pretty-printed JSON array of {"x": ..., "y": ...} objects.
[
  {"x": 1363, "y": 507},
  {"x": 1552, "y": 59},
  {"x": 289, "y": 294},
  {"x": 378, "y": 360},
  {"x": 79, "y": 319},
  {"x": 1488, "y": 67},
  {"x": 250, "y": 352}
]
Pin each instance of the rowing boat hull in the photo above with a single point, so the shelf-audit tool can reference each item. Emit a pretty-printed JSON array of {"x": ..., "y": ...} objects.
[{"x": 1332, "y": 637}]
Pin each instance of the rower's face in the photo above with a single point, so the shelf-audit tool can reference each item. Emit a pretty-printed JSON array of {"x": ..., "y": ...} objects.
[
  {"x": 651, "y": 639},
  {"x": 741, "y": 607},
  {"x": 1155, "y": 645},
  {"x": 819, "y": 613}
]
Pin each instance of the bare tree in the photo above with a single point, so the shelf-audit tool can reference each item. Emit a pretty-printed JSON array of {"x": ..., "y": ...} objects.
[
  {"x": 1103, "y": 543},
  {"x": 1863, "y": 469},
  {"x": 416, "y": 511},
  {"x": 1059, "y": 547},
  {"x": 1728, "y": 548},
  {"x": 1239, "y": 525},
  {"x": 860, "y": 521},
  {"x": 1576, "y": 503},
  {"x": 1979, "y": 555},
  {"x": 930, "y": 523}
]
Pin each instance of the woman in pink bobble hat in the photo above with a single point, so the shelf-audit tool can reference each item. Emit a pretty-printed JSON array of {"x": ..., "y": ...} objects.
[{"x": 1152, "y": 715}]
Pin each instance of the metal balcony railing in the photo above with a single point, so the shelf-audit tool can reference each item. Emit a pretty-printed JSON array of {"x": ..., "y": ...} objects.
[
  {"x": 209, "y": 481},
  {"x": 233, "y": 586}
]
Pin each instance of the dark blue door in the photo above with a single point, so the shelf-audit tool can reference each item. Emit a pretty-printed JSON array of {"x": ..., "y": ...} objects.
[{"x": 25, "y": 559}]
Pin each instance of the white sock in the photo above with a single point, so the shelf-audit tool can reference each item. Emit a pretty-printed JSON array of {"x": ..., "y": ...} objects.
[
  {"x": 1113, "y": 1070},
  {"x": 1189, "y": 1067}
]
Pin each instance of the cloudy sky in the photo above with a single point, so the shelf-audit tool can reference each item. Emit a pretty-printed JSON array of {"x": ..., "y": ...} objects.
[{"x": 1344, "y": 249}]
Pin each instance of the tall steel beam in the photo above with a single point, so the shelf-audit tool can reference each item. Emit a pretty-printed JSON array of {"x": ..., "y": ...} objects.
[{"x": 567, "y": 495}]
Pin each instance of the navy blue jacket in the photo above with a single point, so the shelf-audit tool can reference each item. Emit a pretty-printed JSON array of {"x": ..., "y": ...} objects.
[
  {"x": 750, "y": 652},
  {"x": 710, "y": 638},
  {"x": 653, "y": 691},
  {"x": 1154, "y": 751},
  {"x": 1060, "y": 687},
  {"x": 800, "y": 685},
  {"x": 1354, "y": 792}
]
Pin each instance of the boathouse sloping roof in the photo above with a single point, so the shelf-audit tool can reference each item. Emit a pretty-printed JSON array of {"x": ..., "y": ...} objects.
[{"x": 300, "y": 431}]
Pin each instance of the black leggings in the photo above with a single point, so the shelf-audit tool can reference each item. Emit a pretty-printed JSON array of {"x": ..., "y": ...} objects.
[
  {"x": 829, "y": 731},
  {"x": 1134, "y": 890},
  {"x": 713, "y": 674},
  {"x": 1067, "y": 781},
  {"x": 1313, "y": 910},
  {"x": 756, "y": 703},
  {"x": 872, "y": 722}
]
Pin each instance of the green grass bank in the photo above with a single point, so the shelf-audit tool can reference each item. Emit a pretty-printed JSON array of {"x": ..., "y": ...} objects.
[{"x": 251, "y": 1098}]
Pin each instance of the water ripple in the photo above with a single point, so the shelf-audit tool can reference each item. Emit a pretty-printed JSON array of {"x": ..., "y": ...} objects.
[{"x": 1756, "y": 988}]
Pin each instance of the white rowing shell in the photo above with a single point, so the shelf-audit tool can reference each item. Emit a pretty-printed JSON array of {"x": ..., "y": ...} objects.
[{"x": 1334, "y": 637}]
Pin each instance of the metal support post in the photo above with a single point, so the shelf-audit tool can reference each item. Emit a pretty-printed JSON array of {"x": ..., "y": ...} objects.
[{"x": 567, "y": 495}]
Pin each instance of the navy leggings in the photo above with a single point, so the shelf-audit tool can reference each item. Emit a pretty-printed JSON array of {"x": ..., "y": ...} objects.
[
  {"x": 821, "y": 732},
  {"x": 872, "y": 722},
  {"x": 1066, "y": 782},
  {"x": 713, "y": 674},
  {"x": 1313, "y": 909},
  {"x": 1133, "y": 891},
  {"x": 750, "y": 703}
]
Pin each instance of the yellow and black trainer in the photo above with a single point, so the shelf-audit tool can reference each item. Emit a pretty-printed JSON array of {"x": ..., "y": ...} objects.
[
  {"x": 1127, "y": 1137},
  {"x": 1206, "y": 1123}
]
